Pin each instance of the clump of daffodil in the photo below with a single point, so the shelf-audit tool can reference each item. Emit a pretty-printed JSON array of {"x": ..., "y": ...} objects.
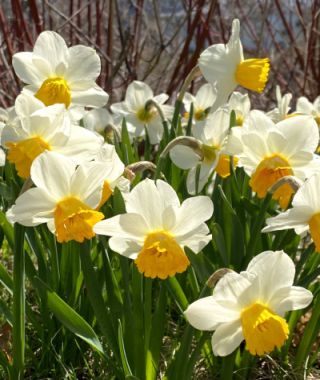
[
  {"x": 202, "y": 103},
  {"x": 66, "y": 197},
  {"x": 156, "y": 228},
  {"x": 305, "y": 212},
  {"x": 210, "y": 155},
  {"x": 46, "y": 129},
  {"x": 55, "y": 73},
  {"x": 269, "y": 151},
  {"x": 140, "y": 113},
  {"x": 251, "y": 306},
  {"x": 225, "y": 66}
]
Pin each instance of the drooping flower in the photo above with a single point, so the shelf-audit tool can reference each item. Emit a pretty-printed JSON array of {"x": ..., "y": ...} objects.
[
  {"x": 156, "y": 228},
  {"x": 138, "y": 115},
  {"x": 65, "y": 197},
  {"x": 55, "y": 73},
  {"x": 97, "y": 119},
  {"x": 225, "y": 66},
  {"x": 47, "y": 128},
  {"x": 270, "y": 151},
  {"x": 251, "y": 305},
  {"x": 202, "y": 103},
  {"x": 212, "y": 138},
  {"x": 305, "y": 212}
]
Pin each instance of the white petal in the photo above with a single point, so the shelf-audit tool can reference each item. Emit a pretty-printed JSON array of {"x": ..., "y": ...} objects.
[
  {"x": 308, "y": 194},
  {"x": 26, "y": 104},
  {"x": 145, "y": 199},
  {"x": 274, "y": 270},
  {"x": 52, "y": 172},
  {"x": 206, "y": 96},
  {"x": 26, "y": 70},
  {"x": 205, "y": 172},
  {"x": 290, "y": 298},
  {"x": 304, "y": 106},
  {"x": 231, "y": 287},
  {"x": 32, "y": 208},
  {"x": 207, "y": 314},
  {"x": 193, "y": 212},
  {"x": 227, "y": 338},
  {"x": 296, "y": 217},
  {"x": 83, "y": 64},
  {"x": 51, "y": 47},
  {"x": 196, "y": 240},
  {"x": 138, "y": 93},
  {"x": 126, "y": 247},
  {"x": 82, "y": 145},
  {"x": 92, "y": 97},
  {"x": 184, "y": 157},
  {"x": 126, "y": 226},
  {"x": 168, "y": 195}
]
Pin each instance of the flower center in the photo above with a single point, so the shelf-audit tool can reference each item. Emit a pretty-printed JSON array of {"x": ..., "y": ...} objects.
[
  {"x": 22, "y": 153},
  {"x": 209, "y": 153},
  {"x": 314, "y": 225},
  {"x": 200, "y": 114},
  {"x": 74, "y": 220},
  {"x": 253, "y": 73},
  {"x": 161, "y": 256},
  {"x": 239, "y": 119},
  {"x": 268, "y": 172},
  {"x": 223, "y": 167},
  {"x": 54, "y": 90},
  {"x": 263, "y": 330},
  {"x": 106, "y": 194},
  {"x": 146, "y": 115}
]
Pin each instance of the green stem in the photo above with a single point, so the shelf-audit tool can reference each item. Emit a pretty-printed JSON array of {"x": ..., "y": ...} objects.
[
  {"x": 228, "y": 366},
  {"x": 96, "y": 299},
  {"x": 18, "y": 302}
]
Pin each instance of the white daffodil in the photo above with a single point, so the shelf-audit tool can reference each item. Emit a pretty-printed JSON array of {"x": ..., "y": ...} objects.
[
  {"x": 305, "y": 212},
  {"x": 55, "y": 73},
  {"x": 270, "y": 151},
  {"x": 306, "y": 107},
  {"x": 251, "y": 305},
  {"x": 97, "y": 120},
  {"x": 47, "y": 129},
  {"x": 139, "y": 115},
  {"x": 156, "y": 228},
  {"x": 212, "y": 140},
  {"x": 280, "y": 112},
  {"x": 65, "y": 197},
  {"x": 225, "y": 66},
  {"x": 240, "y": 104},
  {"x": 202, "y": 103}
]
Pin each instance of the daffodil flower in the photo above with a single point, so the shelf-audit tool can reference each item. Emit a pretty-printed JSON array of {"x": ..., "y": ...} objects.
[
  {"x": 138, "y": 116},
  {"x": 225, "y": 66},
  {"x": 269, "y": 151},
  {"x": 55, "y": 73},
  {"x": 65, "y": 197},
  {"x": 251, "y": 306},
  {"x": 240, "y": 104},
  {"x": 156, "y": 228},
  {"x": 212, "y": 138},
  {"x": 47, "y": 129},
  {"x": 304, "y": 215},
  {"x": 202, "y": 103}
]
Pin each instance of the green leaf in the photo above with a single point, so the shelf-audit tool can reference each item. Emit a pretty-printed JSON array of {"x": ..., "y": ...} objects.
[{"x": 71, "y": 319}]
